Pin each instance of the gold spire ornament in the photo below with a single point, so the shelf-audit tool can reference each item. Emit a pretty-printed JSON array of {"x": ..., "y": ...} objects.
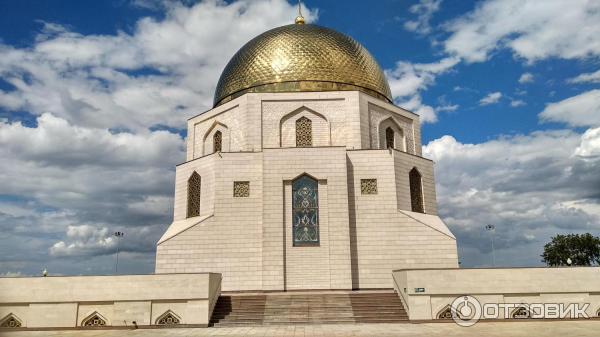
[{"x": 299, "y": 18}]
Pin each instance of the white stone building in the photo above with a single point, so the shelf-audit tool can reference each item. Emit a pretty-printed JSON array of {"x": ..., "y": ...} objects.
[{"x": 304, "y": 175}]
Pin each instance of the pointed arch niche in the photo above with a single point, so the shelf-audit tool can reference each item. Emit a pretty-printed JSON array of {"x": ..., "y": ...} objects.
[
  {"x": 168, "y": 318},
  {"x": 391, "y": 135},
  {"x": 94, "y": 319},
  {"x": 10, "y": 321},
  {"x": 319, "y": 128},
  {"x": 216, "y": 139}
]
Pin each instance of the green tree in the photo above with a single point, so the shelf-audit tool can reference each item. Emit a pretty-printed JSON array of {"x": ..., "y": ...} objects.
[{"x": 582, "y": 249}]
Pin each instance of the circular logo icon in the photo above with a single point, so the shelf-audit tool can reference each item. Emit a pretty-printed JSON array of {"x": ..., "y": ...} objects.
[{"x": 466, "y": 310}]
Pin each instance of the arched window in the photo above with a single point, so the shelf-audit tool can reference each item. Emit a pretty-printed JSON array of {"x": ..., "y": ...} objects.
[
  {"x": 416, "y": 191},
  {"x": 303, "y": 132},
  {"x": 193, "y": 199},
  {"x": 389, "y": 138},
  {"x": 94, "y": 320},
  {"x": 305, "y": 211},
  {"x": 10, "y": 321},
  {"x": 217, "y": 141}
]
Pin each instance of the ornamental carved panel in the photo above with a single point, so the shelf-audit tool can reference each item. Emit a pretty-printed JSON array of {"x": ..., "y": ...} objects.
[
  {"x": 303, "y": 132},
  {"x": 241, "y": 189},
  {"x": 368, "y": 186}
]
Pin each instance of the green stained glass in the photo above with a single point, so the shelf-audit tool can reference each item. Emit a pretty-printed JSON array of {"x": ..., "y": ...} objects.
[{"x": 305, "y": 211}]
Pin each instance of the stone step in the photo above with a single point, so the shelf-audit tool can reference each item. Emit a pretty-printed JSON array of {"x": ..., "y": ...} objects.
[{"x": 308, "y": 308}]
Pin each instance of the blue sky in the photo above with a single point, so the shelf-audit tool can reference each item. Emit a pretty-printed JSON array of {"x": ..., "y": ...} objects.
[{"x": 94, "y": 98}]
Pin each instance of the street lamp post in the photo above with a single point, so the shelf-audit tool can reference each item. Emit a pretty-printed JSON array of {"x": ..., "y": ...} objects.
[
  {"x": 492, "y": 229},
  {"x": 118, "y": 235}
]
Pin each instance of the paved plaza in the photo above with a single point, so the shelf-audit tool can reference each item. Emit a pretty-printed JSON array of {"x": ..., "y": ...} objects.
[{"x": 526, "y": 329}]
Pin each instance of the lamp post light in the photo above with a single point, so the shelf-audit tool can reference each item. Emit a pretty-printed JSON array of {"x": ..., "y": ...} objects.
[
  {"x": 492, "y": 229},
  {"x": 118, "y": 235}
]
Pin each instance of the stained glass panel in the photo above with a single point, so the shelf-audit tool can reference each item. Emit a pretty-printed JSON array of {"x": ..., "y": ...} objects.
[{"x": 305, "y": 211}]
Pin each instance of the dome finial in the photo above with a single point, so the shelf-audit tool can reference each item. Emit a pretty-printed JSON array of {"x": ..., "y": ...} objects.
[{"x": 299, "y": 18}]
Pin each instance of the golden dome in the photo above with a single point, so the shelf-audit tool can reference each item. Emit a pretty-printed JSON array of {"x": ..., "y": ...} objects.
[{"x": 301, "y": 57}]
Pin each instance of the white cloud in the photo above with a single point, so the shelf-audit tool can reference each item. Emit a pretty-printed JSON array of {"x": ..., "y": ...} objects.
[
  {"x": 580, "y": 110},
  {"x": 517, "y": 103},
  {"x": 424, "y": 11},
  {"x": 590, "y": 144},
  {"x": 87, "y": 79},
  {"x": 408, "y": 79},
  {"x": 532, "y": 30},
  {"x": 69, "y": 178},
  {"x": 526, "y": 78},
  {"x": 586, "y": 78},
  {"x": 491, "y": 98},
  {"x": 530, "y": 187}
]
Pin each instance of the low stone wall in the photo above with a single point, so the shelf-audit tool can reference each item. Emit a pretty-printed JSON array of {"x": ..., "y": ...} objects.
[
  {"x": 127, "y": 300},
  {"x": 427, "y": 293}
]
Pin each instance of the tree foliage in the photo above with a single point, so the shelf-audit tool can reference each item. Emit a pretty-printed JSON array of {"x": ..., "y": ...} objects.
[{"x": 582, "y": 249}]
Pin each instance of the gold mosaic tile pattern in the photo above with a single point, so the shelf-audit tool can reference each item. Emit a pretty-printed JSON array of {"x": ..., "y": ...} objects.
[{"x": 301, "y": 58}]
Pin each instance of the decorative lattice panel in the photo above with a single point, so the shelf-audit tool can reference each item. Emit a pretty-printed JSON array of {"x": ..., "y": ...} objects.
[
  {"x": 368, "y": 186},
  {"x": 416, "y": 191},
  {"x": 305, "y": 211},
  {"x": 241, "y": 189},
  {"x": 521, "y": 312},
  {"x": 94, "y": 320},
  {"x": 445, "y": 314},
  {"x": 194, "y": 188},
  {"x": 10, "y": 322},
  {"x": 303, "y": 132},
  {"x": 168, "y": 318}
]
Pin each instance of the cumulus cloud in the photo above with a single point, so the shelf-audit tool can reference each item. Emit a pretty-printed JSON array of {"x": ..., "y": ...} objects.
[
  {"x": 491, "y": 98},
  {"x": 161, "y": 73},
  {"x": 586, "y": 78},
  {"x": 96, "y": 149},
  {"x": 424, "y": 10},
  {"x": 532, "y": 31},
  {"x": 526, "y": 78},
  {"x": 529, "y": 186},
  {"x": 408, "y": 79},
  {"x": 580, "y": 110},
  {"x": 517, "y": 103}
]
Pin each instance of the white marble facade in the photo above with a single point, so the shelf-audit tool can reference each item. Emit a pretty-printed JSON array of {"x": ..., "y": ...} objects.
[{"x": 363, "y": 234}]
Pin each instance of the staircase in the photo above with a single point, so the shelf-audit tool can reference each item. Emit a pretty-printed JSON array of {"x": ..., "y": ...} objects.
[{"x": 308, "y": 308}]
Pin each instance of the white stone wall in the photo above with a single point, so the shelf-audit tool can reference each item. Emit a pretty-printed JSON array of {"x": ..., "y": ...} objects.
[
  {"x": 403, "y": 164},
  {"x": 498, "y": 285},
  {"x": 386, "y": 239},
  {"x": 60, "y": 302},
  {"x": 328, "y": 265},
  {"x": 363, "y": 237},
  {"x": 230, "y": 241}
]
